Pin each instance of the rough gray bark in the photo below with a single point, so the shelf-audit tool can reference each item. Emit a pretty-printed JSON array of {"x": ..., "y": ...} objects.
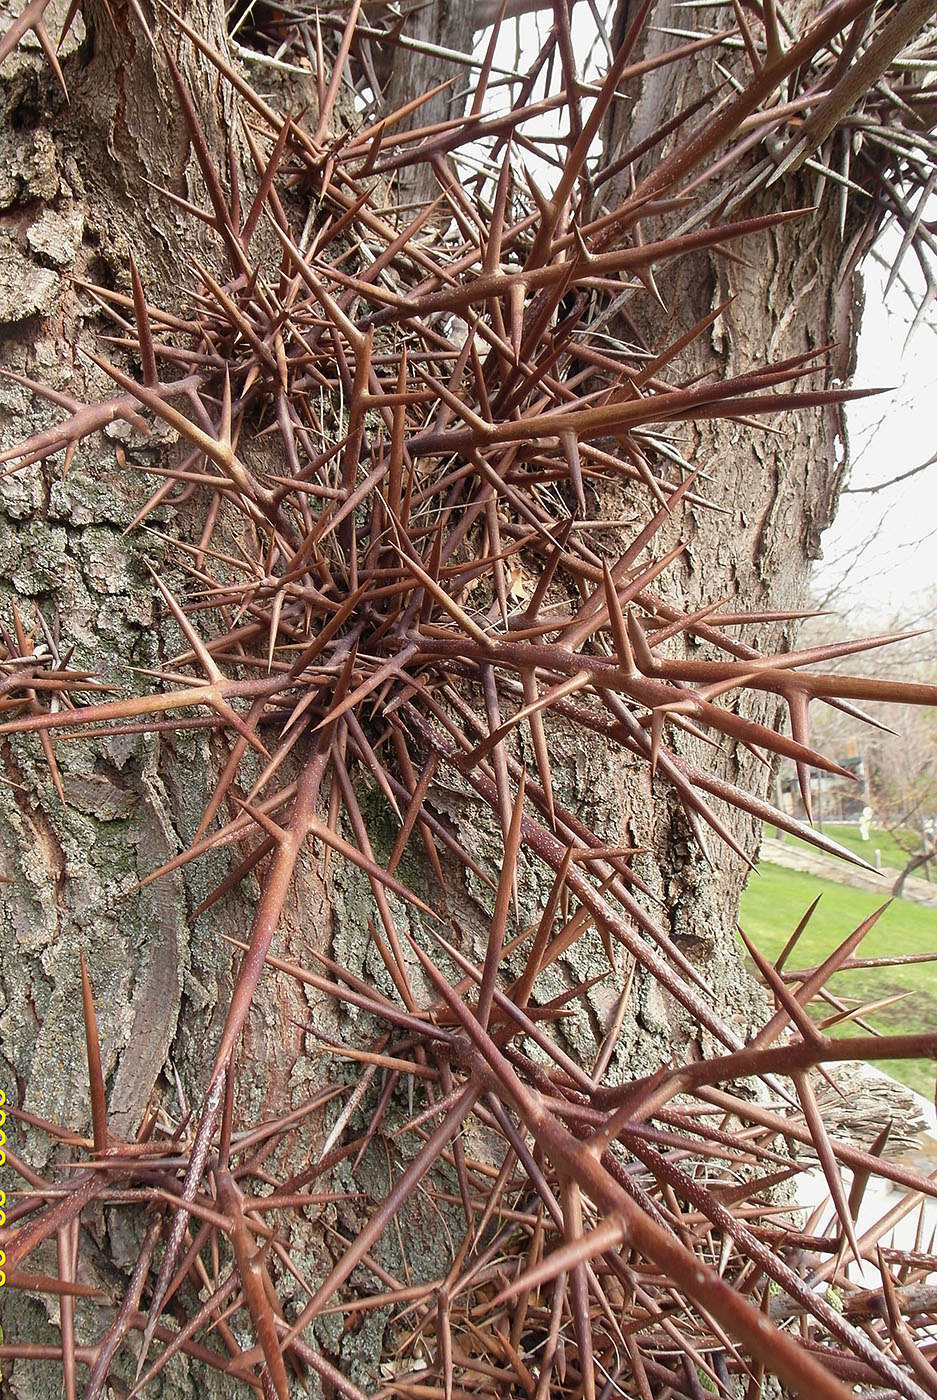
[
  {"x": 74, "y": 204},
  {"x": 77, "y": 204}
]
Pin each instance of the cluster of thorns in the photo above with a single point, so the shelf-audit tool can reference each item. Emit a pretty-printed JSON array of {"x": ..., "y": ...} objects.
[{"x": 406, "y": 589}]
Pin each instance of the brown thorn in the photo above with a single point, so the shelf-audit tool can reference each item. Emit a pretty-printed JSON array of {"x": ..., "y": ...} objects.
[{"x": 95, "y": 1071}]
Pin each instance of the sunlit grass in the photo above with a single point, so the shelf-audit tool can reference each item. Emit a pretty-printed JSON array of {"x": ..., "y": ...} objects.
[{"x": 772, "y": 904}]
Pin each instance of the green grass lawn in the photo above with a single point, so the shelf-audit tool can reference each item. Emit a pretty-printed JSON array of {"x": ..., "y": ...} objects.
[
  {"x": 773, "y": 903},
  {"x": 890, "y": 852}
]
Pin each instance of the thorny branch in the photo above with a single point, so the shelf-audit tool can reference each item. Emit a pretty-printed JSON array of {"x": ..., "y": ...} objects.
[{"x": 421, "y": 592}]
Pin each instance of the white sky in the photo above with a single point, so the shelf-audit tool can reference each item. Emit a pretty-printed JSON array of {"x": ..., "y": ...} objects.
[{"x": 888, "y": 540}]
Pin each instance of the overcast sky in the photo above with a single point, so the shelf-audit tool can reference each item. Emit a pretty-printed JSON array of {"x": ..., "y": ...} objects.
[{"x": 885, "y": 543}]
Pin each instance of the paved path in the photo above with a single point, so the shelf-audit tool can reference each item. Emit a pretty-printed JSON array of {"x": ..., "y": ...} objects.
[{"x": 795, "y": 856}]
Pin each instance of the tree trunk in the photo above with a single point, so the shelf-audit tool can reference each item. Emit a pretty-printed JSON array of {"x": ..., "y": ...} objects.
[
  {"x": 418, "y": 70},
  {"x": 75, "y": 204},
  {"x": 78, "y": 205}
]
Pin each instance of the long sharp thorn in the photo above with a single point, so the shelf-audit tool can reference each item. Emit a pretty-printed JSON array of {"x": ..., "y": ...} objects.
[
  {"x": 95, "y": 1071},
  {"x": 66, "y": 1245},
  {"x": 570, "y": 444},
  {"x": 828, "y": 1163},
  {"x": 506, "y": 883},
  {"x": 617, "y": 622},
  {"x": 538, "y": 735},
  {"x": 794, "y": 939},
  {"x": 144, "y": 329},
  {"x": 251, "y": 1273}
]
